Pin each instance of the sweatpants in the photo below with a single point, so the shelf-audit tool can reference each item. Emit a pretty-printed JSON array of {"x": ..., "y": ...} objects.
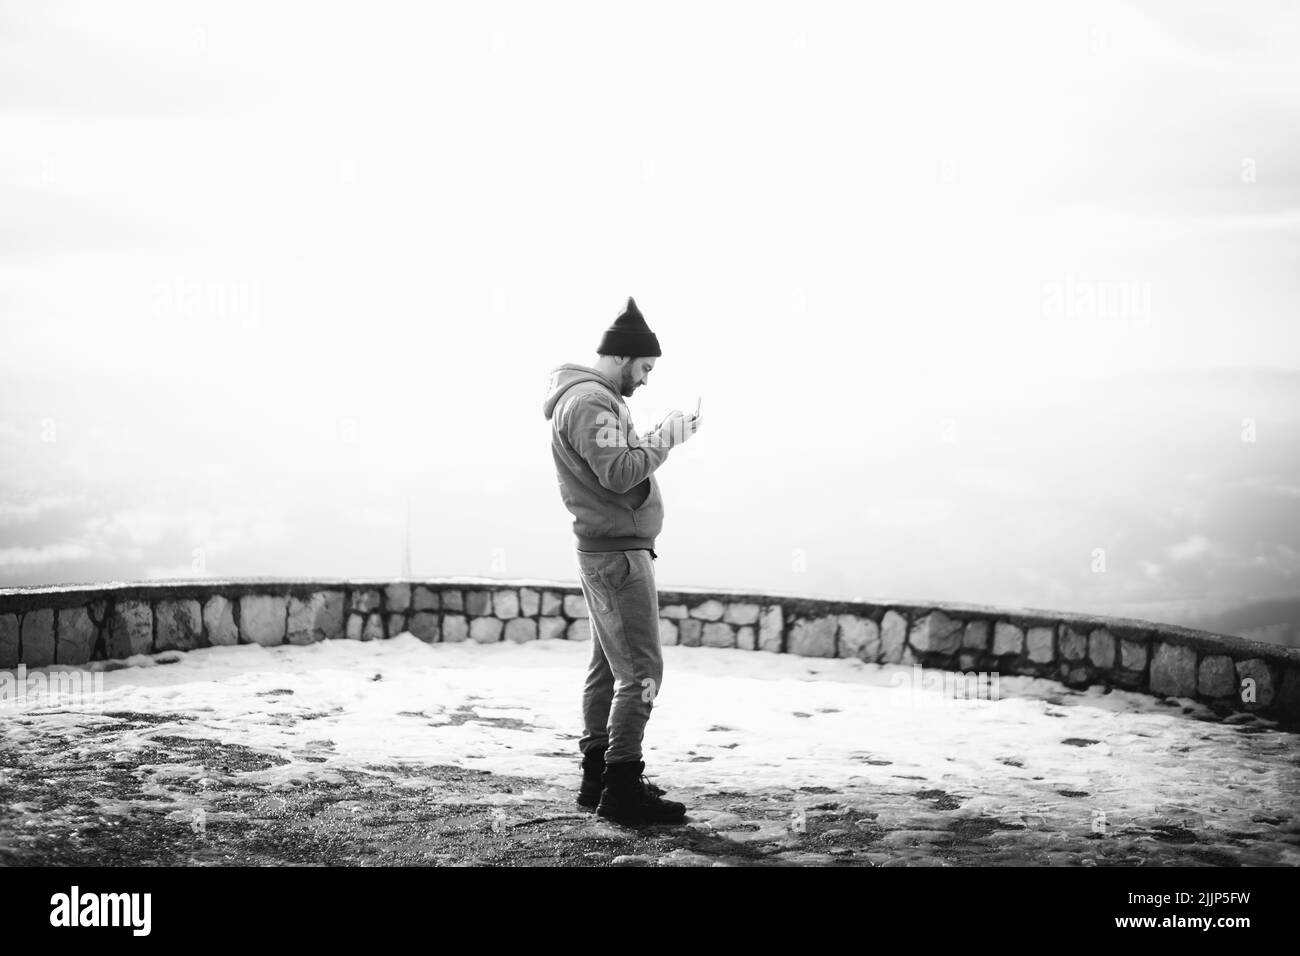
[{"x": 626, "y": 669}]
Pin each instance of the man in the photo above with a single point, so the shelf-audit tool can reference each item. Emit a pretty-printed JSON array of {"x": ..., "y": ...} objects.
[{"x": 606, "y": 478}]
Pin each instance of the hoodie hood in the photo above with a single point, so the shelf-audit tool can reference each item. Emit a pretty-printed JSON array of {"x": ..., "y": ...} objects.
[{"x": 565, "y": 376}]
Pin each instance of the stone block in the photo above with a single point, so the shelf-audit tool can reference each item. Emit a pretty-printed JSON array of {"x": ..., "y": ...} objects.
[
  {"x": 893, "y": 637},
  {"x": 1253, "y": 676},
  {"x": 179, "y": 626},
  {"x": 1041, "y": 644},
  {"x": 219, "y": 620},
  {"x": 365, "y": 600},
  {"x": 718, "y": 634},
  {"x": 674, "y": 611},
  {"x": 1288, "y": 695},
  {"x": 579, "y": 630},
  {"x": 98, "y": 611},
  {"x": 667, "y": 632},
  {"x": 38, "y": 638},
  {"x": 318, "y": 618},
  {"x": 1216, "y": 676},
  {"x": 689, "y": 631},
  {"x": 1132, "y": 654},
  {"x": 395, "y": 625},
  {"x": 1074, "y": 644},
  {"x": 859, "y": 637},
  {"x": 708, "y": 611},
  {"x": 530, "y": 600},
  {"x": 521, "y": 629},
  {"x": 742, "y": 612},
  {"x": 552, "y": 603},
  {"x": 374, "y": 629},
  {"x": 1075, "y": 675},
  {"x": 130, "y": 629},
  {"x": 262, "y": 619},
  {"x": 746, "y": 637},
  {"x": 551, "y": 628},
  {"x": 1101, "y": 648},
  {"x": 976, "y": 635},
  {"x": 397, "y": 596},
  {"x": 452, "y": 599},
  {"x": 1007, "y": 639},
  {"x": 425, "y": 598},
  {"x": 478, "y": 603},
  {"x": 486, "y": 630},
  {"x": 813, "y": 638},
  {"x": 505, "y": 603},
  {"x": 936, "y": 633},
  {"x": 575, "y": 607},
  {"x": 455, "y": 628},
  {"x": 9, "y": 641},
  {"x": 1173, "y": 670},
  {"x": 76, "y": 636},
  {"x": 771, "y": 629},
  {"x": 424, "y": 625}
]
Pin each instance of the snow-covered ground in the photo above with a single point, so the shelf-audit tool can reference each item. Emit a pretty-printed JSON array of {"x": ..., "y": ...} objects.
[{"x": 1042, "y": 774}]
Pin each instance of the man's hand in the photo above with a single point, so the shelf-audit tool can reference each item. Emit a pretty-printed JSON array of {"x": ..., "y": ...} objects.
[{"x": 677, "y": 427}]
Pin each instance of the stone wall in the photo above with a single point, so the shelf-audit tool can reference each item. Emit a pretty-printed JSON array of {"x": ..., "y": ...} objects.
[{"x": 74, "y": 625}]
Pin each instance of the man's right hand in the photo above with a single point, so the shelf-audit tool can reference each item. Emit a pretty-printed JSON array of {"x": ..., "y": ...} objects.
[{"x": 678, "y": 427}]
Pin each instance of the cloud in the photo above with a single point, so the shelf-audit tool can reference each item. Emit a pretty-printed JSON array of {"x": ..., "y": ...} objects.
[
  {"x": 1279, "y": 559},
  {"x": 182, "y": 571},
  {"x": 13, "y": 514},
  {"x": 45, "y": 554},
  {"x": 136, "y": 525},
  {"x": 1194, "y": 547},
  {"x": 372, "y": 515},
  {"x": 1049, "y": 585},
  {"x": 163, "y": 61},
  {"x": 1204, "y": 26},
  {"x": 1007, "y": 483},
  {"x": 1272, "y": 485}
]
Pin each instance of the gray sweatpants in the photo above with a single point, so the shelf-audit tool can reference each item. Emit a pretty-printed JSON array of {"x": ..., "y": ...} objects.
[{"x": 626, "y": 668}]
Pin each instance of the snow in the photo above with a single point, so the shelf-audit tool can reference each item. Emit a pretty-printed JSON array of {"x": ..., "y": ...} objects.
[{"x": 724, "y": 720}]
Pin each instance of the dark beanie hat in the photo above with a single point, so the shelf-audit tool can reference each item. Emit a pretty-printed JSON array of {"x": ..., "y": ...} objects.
[{"x": 629, "y": 335}]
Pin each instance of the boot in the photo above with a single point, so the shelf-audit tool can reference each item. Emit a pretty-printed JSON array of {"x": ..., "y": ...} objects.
[
  {"x": 626, "y": 799},
  {"x": 593, "y": 767},
  {"x": 593, "y": 770}
]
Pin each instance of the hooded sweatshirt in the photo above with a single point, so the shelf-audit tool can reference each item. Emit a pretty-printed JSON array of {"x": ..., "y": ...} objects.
[{"x": 605, "y": 470}]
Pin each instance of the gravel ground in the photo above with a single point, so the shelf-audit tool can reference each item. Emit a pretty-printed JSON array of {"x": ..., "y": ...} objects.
[
  {"x": 53, "y": 803},
  {"x": 398, "y": 753}
]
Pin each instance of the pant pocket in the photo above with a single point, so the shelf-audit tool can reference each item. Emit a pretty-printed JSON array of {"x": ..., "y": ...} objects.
[
  {"x": 593, "y": 587},
  {"x": 607, "y": 571}
]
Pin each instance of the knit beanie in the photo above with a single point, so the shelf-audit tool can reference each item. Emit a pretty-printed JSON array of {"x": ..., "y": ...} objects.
[{"x": 629, "y": 335}]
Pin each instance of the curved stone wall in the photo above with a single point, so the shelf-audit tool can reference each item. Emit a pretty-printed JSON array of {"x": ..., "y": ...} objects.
[{"x": 73, "y": 625}]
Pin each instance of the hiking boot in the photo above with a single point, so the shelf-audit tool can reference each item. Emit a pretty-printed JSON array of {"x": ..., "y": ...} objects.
[
  {"x": 593, "y": 769},
  {"x": 627, "y": 798}
]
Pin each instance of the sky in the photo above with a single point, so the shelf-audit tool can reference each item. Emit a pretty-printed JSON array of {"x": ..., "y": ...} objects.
[{"x": 991, "y": 305}]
